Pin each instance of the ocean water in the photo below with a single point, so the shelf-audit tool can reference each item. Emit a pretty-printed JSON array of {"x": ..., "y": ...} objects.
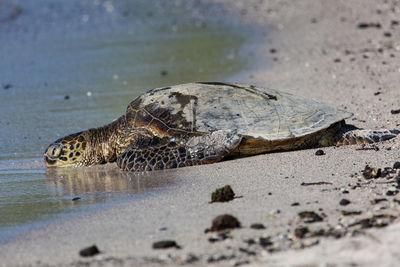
[{"x": 67, "y": 66}]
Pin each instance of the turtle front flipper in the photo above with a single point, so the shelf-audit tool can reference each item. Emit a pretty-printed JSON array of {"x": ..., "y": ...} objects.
[{"x": 149, "y": 154}]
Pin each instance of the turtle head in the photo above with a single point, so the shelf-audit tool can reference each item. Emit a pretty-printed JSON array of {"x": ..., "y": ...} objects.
[
  {"x": 70, "y": 150},
  {"x": 94, "y": 146}
]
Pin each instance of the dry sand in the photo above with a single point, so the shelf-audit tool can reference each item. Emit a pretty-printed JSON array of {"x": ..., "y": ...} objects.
[{"x": 320, "y": 52}]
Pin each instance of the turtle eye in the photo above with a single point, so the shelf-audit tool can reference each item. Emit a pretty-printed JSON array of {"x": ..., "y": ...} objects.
[{"x": 54, "y": 150}]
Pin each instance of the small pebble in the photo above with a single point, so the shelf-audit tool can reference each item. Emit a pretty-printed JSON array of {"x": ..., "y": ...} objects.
[
  {"x": 395, "y": 111},
  {"x": 378, "y": 200},
  {"x": 223, "y": 194},
  {"x": 223, "y": 222},
  {"x": 265, "y": 241},
  {"x": 369, "y": 172},
  {"x": 344, "y": 202},
  {"x": 89, "y": 251},
  {"x": 164, "y": 73},
  {"x": 364, "y": 25},
  {"x": 348, "y": 213},
  {"x": 301, "y": 231},
  {"x": 396, "y": 165},
  {"x": 295, "y": 204},
  {"x": 392, "y": 192},
  {"x": 76, "y": 198},
  {"x": 310, "y": 216},
  {"x": 250, "y": 241},
  {"x": 257, "y": 226},
  {"x": 7, "y": 86},
  {"x": 165, "y": 244},
  {"x": 66, "y": 97},
  {"x": 319, "y": 152},
  {"x": 248, "y": 252}
]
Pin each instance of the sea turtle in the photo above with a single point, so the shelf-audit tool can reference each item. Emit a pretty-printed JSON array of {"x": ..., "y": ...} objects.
[{"x": 205, "y": 122}]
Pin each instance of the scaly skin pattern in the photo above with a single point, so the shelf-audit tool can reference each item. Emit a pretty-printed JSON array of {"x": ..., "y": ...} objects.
[{"x": 94, "y": 146}]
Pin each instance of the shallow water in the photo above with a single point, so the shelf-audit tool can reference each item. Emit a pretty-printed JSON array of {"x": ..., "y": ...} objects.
[{"x": 66, "y": 66}]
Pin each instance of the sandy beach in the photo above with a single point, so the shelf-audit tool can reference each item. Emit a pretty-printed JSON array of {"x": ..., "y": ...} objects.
[{"x": 345, "y": 54}]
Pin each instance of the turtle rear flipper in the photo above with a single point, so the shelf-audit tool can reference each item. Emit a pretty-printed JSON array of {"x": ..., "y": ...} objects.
[
  {"x": 353, "y": 136},
  {"x": 150, "y": 154}
]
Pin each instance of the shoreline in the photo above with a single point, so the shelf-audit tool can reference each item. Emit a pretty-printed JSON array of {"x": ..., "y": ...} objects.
[
  {"x": 323, "y": 53},
  {"x": 68, "y": 56}
]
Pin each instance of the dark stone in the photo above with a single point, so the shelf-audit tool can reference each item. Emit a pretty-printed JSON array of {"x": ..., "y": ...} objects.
[
  {"x": 310, "y": 216},
  {"x": 7, "y": 86},
  {"x": 250, "y": 241},
  {"x": 223, "y": 222},
  {"x": 384, "y": 173},
  {"x": 387, "y": 34},
  {"x": 301, "y": 231},
  {"x": 319, "y": 152},
  {"x": 216, "y": 258},
  {"x": 66, "y": 97},
  {"x": 369, "y": 172},
  {"x": 295, "y": 204},
  {"x": 337, "y": 60},
  {"x": 221, "y": 237},
  {"x": 164, "y": 73},
  {"x": 248, "y": 252},
  {"x": 392, "y": 192},
  {"x": 272, "y": 50},
  {"x": 364, "y": 25},
  {"x": 257, "y": 226},
  {"x": 314, "y": 183},
  {"x": 265, "y": 241},
  {"x": 348, "y": 213},
  {"x": 378, "y": 200},
  {"x": 344, "y": 202},
  {"x": 89, "y": 251},
  {"x": 396, "y": 165},
  {"x": 165, "y": 244},
  {"x": 76, "y": 198},
  {"x": 223, "y": 194},
  {"x": 395, "y": 111}
]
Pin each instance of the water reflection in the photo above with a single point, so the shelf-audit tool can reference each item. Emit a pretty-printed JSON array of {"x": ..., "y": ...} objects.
[{"x": 105, "y": 179}]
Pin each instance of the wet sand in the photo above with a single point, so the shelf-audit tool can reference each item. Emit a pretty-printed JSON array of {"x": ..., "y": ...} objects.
[{"x": 342, "y": 53}]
